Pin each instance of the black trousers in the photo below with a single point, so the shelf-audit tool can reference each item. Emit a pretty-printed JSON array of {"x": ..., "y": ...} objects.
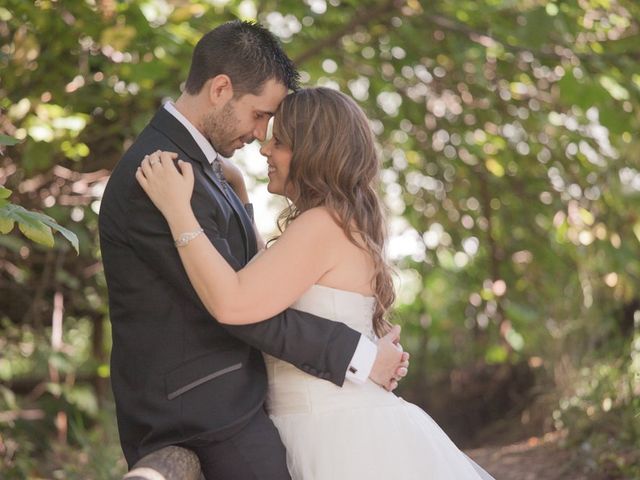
[{"x": 255, "y": 452}]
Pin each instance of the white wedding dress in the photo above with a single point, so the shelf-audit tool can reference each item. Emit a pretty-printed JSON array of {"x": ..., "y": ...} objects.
[{"x": 357, "y": 432}]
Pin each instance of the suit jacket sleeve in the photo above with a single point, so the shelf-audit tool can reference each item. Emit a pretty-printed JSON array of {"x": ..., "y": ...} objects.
[{"x": 318, "y": 346}]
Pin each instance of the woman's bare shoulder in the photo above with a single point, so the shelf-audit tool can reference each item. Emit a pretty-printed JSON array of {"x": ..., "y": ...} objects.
[{"x": 317, "y": 218}]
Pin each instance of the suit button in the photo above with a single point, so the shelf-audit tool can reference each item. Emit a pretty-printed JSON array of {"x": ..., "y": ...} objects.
[
  {"x": 313, "y": 371},
  {"x": 325, "y": 375}
]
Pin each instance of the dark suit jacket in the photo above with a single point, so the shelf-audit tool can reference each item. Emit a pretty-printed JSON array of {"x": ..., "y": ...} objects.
[{"x": 176, "y": 372}]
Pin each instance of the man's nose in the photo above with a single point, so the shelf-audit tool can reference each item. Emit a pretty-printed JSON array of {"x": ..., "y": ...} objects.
[{"x": 260, "y": 130}]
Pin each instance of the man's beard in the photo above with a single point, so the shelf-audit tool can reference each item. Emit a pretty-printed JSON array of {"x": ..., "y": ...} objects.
[{"x": 220, "y": 130}]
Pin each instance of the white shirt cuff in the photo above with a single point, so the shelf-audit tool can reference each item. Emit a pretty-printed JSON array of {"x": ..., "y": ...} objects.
[{"x": 362, "y": 361}]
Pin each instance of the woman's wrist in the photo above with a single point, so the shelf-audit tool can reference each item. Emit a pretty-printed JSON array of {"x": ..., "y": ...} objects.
[{"x": 181, "y": 221}]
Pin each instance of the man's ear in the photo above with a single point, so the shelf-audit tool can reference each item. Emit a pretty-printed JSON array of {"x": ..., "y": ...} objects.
[{"x": 219, "y": 89}]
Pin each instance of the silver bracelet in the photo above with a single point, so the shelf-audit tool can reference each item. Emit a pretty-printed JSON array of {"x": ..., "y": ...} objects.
[{"x": 184, "y": 238}]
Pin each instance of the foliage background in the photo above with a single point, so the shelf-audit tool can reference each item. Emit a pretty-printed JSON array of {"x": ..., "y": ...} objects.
[{"x": 508, "y": 131}]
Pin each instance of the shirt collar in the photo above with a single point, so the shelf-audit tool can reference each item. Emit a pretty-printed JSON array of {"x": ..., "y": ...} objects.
[{"x": 200, "y": 139}]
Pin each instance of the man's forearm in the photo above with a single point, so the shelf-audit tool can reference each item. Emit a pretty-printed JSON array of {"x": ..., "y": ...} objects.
[{"x": 318, "y": 346}]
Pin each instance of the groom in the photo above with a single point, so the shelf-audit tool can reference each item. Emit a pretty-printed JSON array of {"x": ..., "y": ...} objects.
[{"x": 178, "y": 376}]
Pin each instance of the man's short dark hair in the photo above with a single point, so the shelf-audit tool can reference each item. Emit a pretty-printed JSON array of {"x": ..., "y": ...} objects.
[{"x": 245, "y": 51}]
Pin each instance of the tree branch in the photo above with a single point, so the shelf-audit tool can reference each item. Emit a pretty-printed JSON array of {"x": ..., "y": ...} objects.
[
  {"x": 486, "y": 39},
  {"x": 361, "y": 17},
  {"x": 168, "y": 463}
]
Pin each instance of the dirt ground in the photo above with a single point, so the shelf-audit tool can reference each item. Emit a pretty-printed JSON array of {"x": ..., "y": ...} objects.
[{"x": 538, "y": 458}]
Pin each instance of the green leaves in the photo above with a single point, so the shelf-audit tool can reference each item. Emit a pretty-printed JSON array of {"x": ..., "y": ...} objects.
[
  {"x": 7, "y": 140},
  {"x": 5, "y": 224},
  {"x": 37, "y": 227}
]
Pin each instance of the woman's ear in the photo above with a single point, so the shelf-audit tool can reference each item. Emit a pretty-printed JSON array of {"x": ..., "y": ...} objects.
[{"x": 219, "y": 89}]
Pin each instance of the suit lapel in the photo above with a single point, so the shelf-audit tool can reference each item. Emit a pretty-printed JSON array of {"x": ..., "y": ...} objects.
[
  {"x": 169, "y": 126},
  {"x": 248, "y": 235}
]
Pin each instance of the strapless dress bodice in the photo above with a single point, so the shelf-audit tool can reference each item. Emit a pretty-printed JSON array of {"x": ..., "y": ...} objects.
[
  {"x": 293, "y": 391},
  {"x": 350, "y": 308}
]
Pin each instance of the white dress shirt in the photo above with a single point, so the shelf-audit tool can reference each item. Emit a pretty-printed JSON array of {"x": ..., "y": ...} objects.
[{"x": 366, "y": 351}]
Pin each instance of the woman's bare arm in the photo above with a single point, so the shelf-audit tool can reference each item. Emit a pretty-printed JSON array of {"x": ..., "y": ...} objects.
[{"x": 265, "y": 287}]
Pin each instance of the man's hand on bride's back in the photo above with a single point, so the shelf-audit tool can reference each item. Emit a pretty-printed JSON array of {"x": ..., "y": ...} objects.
[{"x": 391, "y": 363}]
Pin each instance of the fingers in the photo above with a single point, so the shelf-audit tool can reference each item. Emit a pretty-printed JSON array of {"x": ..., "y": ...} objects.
[
  {"x": 162, "y": 163},
  {"x": 153, "y": 158},
  {"x": 403, "y": 367},
  {"x": 142, "y": 180},
  {"x": 395, "y": 330},
  {"x": 146, "y": 165},
  {"x": 393, "y": 335},
  {"x": 401, "y": 371},
  {"x": 167, "y": 158},
  {"x": 404, "y": 360},
  {"x": 186, "y": 169},
  {"x": 391, "y": 364},
  {"x": 159, "y": 158}
]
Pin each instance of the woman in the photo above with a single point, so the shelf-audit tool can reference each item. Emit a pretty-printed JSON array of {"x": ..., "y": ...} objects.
[{"x": 328, "y": 261}]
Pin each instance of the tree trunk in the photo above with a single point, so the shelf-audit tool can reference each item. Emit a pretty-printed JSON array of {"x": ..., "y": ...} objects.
[{"x": 168, "y": 463}]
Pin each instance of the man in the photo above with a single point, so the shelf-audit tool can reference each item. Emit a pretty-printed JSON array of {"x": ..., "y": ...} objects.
[{"x": 178, "y": 376}]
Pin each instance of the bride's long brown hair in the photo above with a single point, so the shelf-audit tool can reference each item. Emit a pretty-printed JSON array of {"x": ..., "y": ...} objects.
[{"x": 335, "y": 165}]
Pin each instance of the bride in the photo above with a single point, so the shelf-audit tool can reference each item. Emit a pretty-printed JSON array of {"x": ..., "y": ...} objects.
[{"x": 328, "y": 261}]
